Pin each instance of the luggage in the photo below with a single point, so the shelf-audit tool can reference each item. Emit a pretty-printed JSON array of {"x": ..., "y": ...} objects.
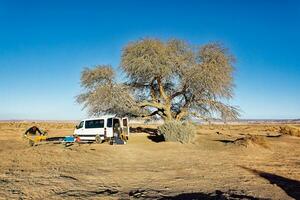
[{"x": 118, "y": 139}]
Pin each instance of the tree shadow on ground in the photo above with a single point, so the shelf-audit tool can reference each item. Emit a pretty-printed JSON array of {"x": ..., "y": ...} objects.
[
  {"x": 217, "y": 195},
  {"x": 290, "y": 186},
  {"x": 156, "y": 138},
  {"x": 88, "y": 193},
  {"x": 151, "y": 131}
]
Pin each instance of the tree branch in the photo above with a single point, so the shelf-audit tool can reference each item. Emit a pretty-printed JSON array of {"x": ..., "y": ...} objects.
[
  {"x": 184, "y": 109},
  {"x": 151, "y": 114},
  {"x": 200, "y": 117},
  {"x": 162, "y": 91},
  {"x": 150, "y": 104},
  {"x": 179, "y": 92},
  {"x": 182, "y": 113},
  {"x": 152, "y": 90}
]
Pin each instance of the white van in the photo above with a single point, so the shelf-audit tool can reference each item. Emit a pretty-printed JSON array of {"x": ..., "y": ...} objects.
[{"x": 101, "y": 128}]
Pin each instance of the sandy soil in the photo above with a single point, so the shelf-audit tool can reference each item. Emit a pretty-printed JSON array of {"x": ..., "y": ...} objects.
[{"x": 213, "y": 167}]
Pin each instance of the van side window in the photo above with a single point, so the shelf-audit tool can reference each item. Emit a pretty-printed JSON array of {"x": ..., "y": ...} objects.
[
  {"x": 94, "y": 123},
  {"x": 124, "y": 122},
  {"x": 116, "y": 123},
  {"x": 109, "y": 122},
  {"x": 80, "y": 124}
]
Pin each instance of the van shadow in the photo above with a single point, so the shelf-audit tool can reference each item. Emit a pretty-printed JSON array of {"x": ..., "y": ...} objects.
[
  {"x": 290, "y": 186},
  {"x": 225, "y": 141},
  {"x": 153, "y": 133}
]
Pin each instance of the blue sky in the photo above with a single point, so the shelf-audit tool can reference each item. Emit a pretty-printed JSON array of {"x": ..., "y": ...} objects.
[{"x": 44, "y": 45}]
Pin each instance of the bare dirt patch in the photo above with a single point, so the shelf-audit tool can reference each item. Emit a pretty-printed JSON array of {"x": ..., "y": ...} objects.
[{"x": 145, "y": 169}]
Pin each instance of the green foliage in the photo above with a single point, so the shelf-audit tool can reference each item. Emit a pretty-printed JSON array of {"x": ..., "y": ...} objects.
[{"x": 175, "y": 131}]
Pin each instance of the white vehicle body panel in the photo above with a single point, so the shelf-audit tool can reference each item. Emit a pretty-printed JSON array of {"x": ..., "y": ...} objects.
[{"x": 103, "y": 126}]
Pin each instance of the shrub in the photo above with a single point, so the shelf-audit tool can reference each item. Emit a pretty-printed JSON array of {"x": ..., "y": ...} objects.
[
  {"x": 175, "y": 131},
  {"x": 290, "y": 130},
  {"x": 252, "y": 139}
]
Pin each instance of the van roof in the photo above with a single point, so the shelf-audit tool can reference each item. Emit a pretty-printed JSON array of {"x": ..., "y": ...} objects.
[{"x": 100, "y": 117}]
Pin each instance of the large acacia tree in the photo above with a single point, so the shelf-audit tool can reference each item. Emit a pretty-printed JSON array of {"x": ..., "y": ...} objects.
[{"x": 169, "y": 80}]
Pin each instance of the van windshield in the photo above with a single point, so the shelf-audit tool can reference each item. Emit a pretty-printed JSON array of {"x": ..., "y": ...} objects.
[
  {"x": 99, "y": 123},
  {"x": 81, "y": 124}
]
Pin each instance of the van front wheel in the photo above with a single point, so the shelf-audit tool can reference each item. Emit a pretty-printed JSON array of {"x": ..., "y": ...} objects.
[{"x": 98, "y": 139}]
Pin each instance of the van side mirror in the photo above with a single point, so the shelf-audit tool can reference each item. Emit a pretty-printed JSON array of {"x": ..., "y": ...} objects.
[{"x": 76, "y": 126}]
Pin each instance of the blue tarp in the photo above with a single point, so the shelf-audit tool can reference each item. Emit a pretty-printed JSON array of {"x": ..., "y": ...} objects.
[{"x": 69, "y": 139}]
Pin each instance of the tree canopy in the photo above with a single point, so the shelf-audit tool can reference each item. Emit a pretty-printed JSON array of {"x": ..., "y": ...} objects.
[{"x": 171, "y": 80}]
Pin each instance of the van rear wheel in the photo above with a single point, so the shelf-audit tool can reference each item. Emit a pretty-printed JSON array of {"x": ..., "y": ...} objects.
[{"x": 98, "y": 139}]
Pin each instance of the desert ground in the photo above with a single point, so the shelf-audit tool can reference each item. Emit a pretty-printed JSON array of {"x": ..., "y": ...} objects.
[{"x": 214, "y": 166}]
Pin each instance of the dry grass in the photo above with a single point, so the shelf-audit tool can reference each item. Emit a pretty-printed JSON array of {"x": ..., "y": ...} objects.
[
  {"x": 292, "y": 130},
  {"x": 252, "y": 139},
  {"x": 146, "y": 167},
  {"x": 177, "y": 132},
  {"x": 42, "y": 125}
]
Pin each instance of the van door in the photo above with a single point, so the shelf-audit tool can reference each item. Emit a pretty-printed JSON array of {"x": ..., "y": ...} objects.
[
  {"x": 109, "y": 127},
  {"x": 125, "y": 126},
  {"x": 117, "y": 126}
]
